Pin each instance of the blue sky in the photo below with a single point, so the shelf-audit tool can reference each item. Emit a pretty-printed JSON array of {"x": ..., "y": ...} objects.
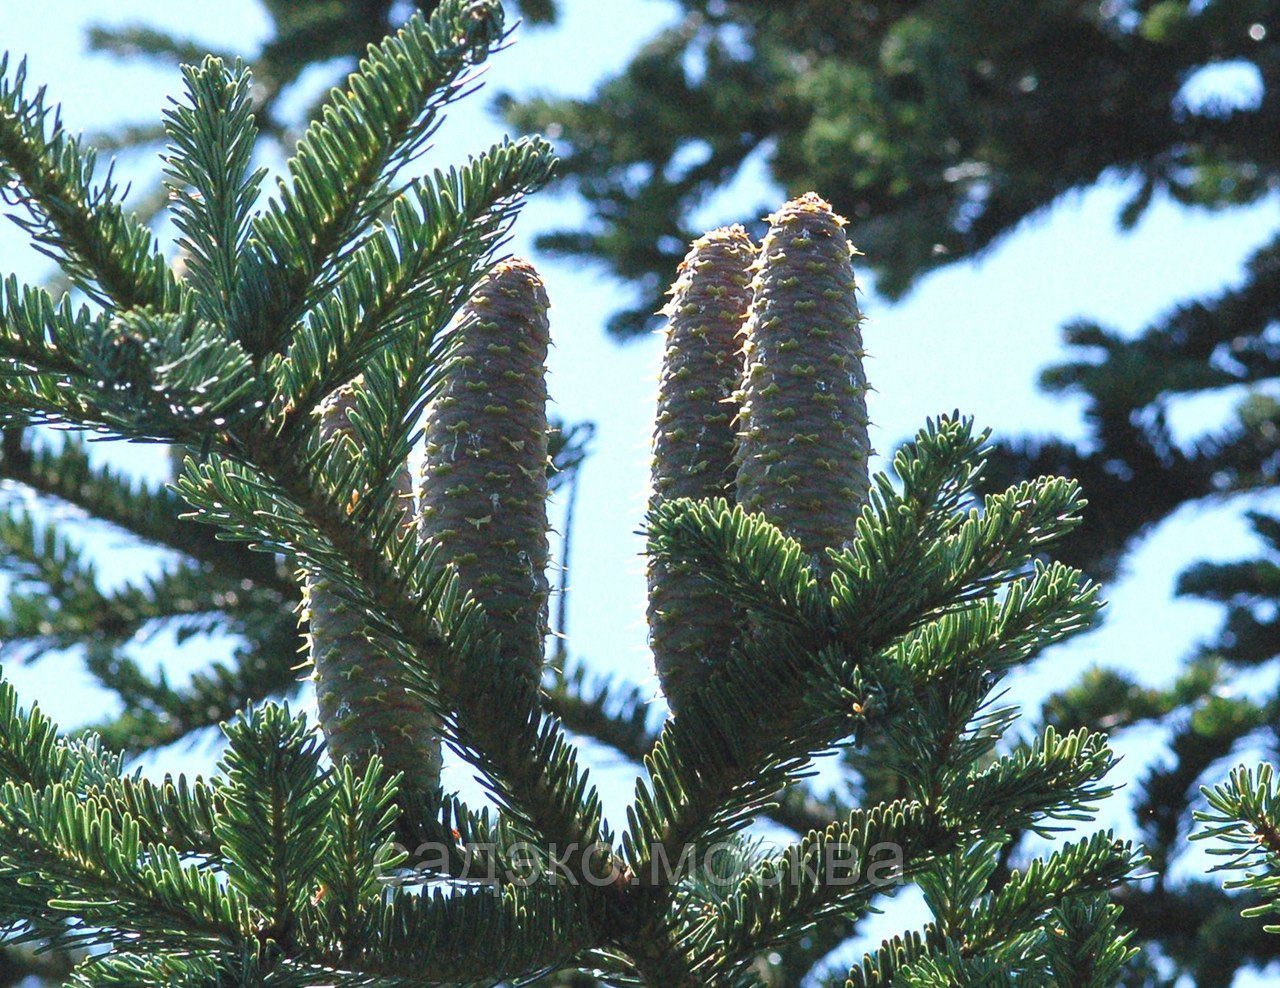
[{"x": 973, "y": 337}]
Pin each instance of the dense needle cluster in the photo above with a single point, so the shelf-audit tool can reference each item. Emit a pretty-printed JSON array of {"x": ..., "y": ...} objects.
[{"x": 797, "y": 604}]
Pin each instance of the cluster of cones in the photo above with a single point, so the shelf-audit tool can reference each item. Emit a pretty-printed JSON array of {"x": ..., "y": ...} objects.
[{"x": 762, "y": 401}]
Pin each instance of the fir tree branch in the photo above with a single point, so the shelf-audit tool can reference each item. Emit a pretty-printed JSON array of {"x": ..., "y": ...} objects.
[
  {"x": 1097, "y": 863},
  {"x": 409, "y": 275},
  {"x": 272, "y": 817},
  {"x": 434, "y": 939},
  {"x": 275, "y": 874},
  {"x": 212, "y": 136},
  {"x": 616, "y": 714},
  {"x": 1084, "y": 868},
  {"x": 689, "y": 793},
  {"x": 141, "y": 373},
  {"x": 185, "y": 969},
  {"x": 837, "y": 869},
  {"x": 109, "y": 254},
  {"x": 56, "y": 601},
  {"x": 833, "y": 870},
  {"x": 340, "y": 176},
  {"x": 152, "y": 514},
  {"x": 95, "y": 867},
  {"x": 176, "y": 813},
  {"x": 1243, "y": 821},
  {"x": 1085, "y": 945},
  {"x": 416, "y": 602},
  {"x": 757, "y": 567},
  {"x": 139, "y": 40},
  {"x": 156, "y": 714},
  {"x": 38, "y": 335}
]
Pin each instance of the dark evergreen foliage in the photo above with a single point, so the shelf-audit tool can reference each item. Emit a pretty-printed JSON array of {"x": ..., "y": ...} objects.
[
  {"x": 935, "y": 127},
  {"x": 938, "y": 128},
  {"x": 350, "y": 281},
  {"x": 909, "y": 94}
]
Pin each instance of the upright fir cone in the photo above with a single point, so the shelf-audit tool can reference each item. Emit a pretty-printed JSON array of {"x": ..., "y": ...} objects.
[
  {"x": 484, "y": 483},
  {"x": 803, "y": 444},
  {"x": 364, "y": 708},
  {"x": 690, "y": 624}
]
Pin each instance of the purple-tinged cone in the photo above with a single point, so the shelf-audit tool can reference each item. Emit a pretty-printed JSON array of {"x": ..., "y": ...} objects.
[
  {"x": 484, "y": 482},
  {"x": 803, "y": 442},
  {"x": 690, "y": 625},
  {"x": 364, "y": 708}
]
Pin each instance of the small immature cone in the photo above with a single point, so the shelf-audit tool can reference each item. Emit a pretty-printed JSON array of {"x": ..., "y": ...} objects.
[
  {"x": 364, "y": 708},
  {"x": 484, "y": 482},
  {"x": 803, "y": 443},
  {"x": 691, "y": 626}
]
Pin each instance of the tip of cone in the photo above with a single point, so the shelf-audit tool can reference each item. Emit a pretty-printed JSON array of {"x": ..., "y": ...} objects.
[
  {"x": 735, "y": 235},
  {"x": 810, "y": 204},
  {"x": 514, "y": 267},
  {"x": 339, "y": 398},
  {"x": 734, "y": 231},
  {"x": 729, "y": 239}
]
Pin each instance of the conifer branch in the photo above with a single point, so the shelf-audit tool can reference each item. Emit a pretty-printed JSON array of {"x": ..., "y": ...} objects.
[
  {"x": 207, "y": 172},
  {"x": 414, "y": 600},
  {"x": 1243, "y": 822},
  {"x": 617, "y": 714},
  {"x": 434, "y": 939},
  {"x": 409, "y": 275},
  {"x": 73, "y": 608},
  {"x": 111, "y": 256},
  {"x": 1077, "y": 871},
  {"x": 176, "y": 813},
  {"x": 828, "y": 871},
  {"x": 341, "y": 175},
  {"x": 100, "y": 870},
  {"x": 787, "y": 726},
  {"x": 149, "y": 513},
  {"x": 156, "y": 713}
]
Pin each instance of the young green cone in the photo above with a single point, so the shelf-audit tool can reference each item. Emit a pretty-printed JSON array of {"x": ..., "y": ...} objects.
[
  {"x": 693, "y": 445},
  {"x": 363, "y": 707},
  {"x": 803, "y": 444},
  {"x": 484, "y": 483}
]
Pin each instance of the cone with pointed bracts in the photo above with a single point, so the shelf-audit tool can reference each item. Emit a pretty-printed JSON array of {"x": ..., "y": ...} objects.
[
  {"x": 365, "y": 705},
  {"x": 484, "y": 480},
  {"x": 691, "y": 626},
  {"x": 803, "y": 451},
  {"x": 277, "y": 871}
]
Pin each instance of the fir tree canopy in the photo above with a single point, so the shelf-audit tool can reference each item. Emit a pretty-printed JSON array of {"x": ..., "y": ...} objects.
[{"x": 298, "y": 357}]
